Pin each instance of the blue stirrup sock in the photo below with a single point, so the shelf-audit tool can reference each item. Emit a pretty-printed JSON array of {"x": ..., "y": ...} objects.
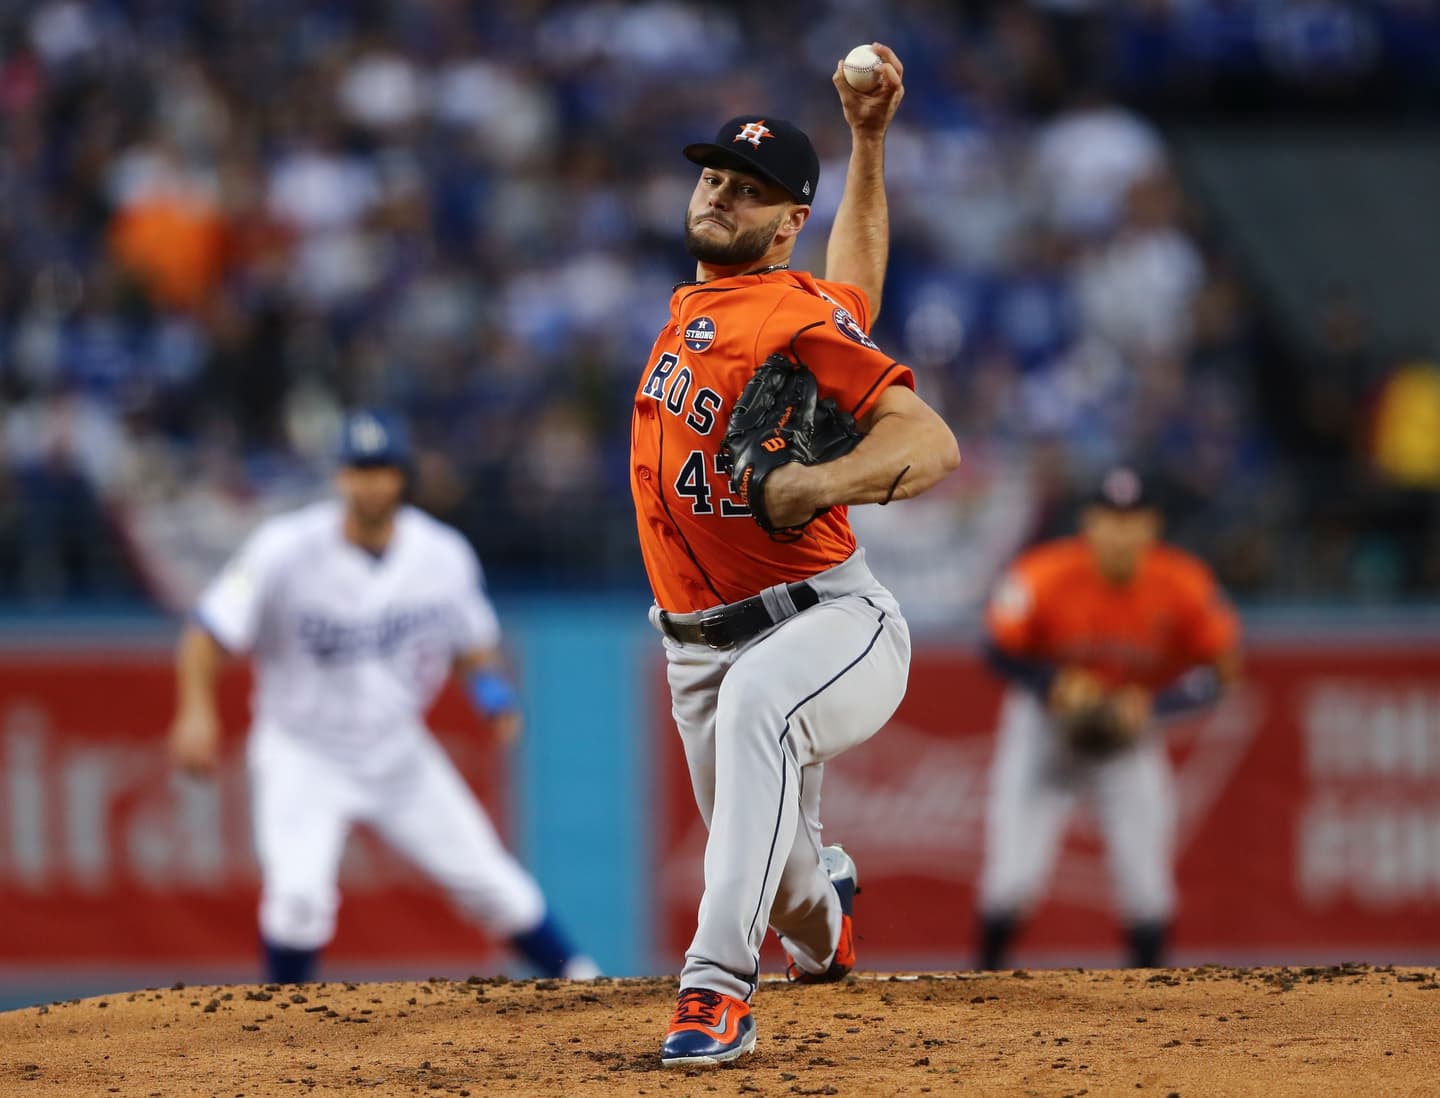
[
  {"x": 545, "y": 946},
  {"x": 289, "y": 966}
]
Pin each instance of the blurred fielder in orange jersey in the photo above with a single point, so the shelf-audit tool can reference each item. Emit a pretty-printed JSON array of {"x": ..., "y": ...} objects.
[{"x": 1101, "y": 637}]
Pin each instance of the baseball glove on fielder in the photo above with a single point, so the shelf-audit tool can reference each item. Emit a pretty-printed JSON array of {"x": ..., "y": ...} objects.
[
  {"x": 779, "y": 418},
  {"x": 1094, "y": 731}
]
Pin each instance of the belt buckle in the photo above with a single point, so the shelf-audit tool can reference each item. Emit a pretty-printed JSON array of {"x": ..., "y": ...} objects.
[{"x": 714, "y": 618}]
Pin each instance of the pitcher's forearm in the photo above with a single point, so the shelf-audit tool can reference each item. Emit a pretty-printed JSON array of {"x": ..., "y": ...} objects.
[
  {"x": 900, "y": 457},
  {"x": 859, "y": 248}
]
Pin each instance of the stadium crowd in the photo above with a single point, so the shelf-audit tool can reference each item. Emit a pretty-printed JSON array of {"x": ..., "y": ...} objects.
[{"x": 223, "y": 221}]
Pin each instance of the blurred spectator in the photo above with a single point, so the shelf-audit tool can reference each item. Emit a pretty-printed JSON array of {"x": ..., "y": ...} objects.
[
  {"x": 167, "y": 227},
  {"x": 1086, "y": 161},
  {"x": 61, "y": 451},
  {"x": 1138, "y": 290},
  {"x": 380, "y": 88}
]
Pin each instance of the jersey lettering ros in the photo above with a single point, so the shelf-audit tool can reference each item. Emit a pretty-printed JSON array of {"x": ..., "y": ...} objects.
[
  {"x": 1054, "y": 605},
  {"x": 349, "y": 650},
  {"x": 700, "y": 545}
]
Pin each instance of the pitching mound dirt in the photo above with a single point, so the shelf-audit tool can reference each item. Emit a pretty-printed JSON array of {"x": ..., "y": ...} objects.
[{"x": 1344, "y": 1030}]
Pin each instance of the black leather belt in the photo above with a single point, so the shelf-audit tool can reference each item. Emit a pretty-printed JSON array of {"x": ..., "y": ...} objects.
[{"x": 735, "y": 623}]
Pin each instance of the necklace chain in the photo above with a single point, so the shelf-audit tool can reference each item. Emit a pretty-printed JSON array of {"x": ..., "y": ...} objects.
[{"x": 742, "y": 274}]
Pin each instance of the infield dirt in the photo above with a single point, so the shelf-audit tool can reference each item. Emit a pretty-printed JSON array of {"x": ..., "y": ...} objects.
[{"x": 1350, "y": 1029}]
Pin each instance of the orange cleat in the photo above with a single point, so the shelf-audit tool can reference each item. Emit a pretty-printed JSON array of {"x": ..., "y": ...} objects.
[{"x": 708, "y": 1028}]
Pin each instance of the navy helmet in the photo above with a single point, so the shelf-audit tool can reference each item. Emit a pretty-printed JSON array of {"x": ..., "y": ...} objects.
[{"x": 372, "y": 437}]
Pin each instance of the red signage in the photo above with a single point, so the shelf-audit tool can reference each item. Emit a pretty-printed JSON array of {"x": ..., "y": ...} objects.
[
  {"x": 108, "y": 857},
  {"x": 1309, "y": 807}
]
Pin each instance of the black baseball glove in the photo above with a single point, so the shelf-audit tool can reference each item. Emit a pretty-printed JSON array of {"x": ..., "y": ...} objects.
[{"x": 779, "y": 418}]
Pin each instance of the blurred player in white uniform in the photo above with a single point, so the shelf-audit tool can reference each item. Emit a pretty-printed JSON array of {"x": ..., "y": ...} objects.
[{"x": 355, "y": 611}]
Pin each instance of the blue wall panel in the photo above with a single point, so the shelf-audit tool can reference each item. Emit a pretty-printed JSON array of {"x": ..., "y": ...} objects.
[{"x": 583, "y": 768}]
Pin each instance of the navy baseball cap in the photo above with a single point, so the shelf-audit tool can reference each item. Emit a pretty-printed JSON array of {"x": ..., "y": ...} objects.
[
  {"x": 771, "y": 148},
  {"x": 370, "y": 438},
  {"x": 1123, "y": 489}
]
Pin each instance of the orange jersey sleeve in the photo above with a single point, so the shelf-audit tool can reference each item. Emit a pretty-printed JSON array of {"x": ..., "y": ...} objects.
[
  {"x": 700, "y": 546},
  {"x": 848, "y": 296},
  {"x": 1016, "y": 613},
  {"x": 1207, "y": 625},
  {"x": 819, "y": 328}
]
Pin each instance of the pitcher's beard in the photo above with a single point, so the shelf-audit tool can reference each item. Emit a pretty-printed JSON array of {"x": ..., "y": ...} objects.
[{"x": 746, "y": 247}]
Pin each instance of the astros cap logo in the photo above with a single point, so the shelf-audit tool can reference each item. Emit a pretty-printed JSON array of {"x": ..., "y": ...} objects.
[
  {"x": 1122, "y": 487},
  {"x": 753, "y": 132}
]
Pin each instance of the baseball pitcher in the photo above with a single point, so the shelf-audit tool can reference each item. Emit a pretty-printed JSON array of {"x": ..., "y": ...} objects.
[
  {"x": 354, "y": 613},
  {"x": 1101, "y": 637},
  {"x": 763, "y": 412}
]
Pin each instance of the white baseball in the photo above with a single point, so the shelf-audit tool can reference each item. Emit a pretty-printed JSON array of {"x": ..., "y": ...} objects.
[{"x": 862, "y": 68}]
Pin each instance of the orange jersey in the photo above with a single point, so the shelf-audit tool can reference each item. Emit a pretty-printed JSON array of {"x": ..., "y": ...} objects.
[
  {"x": 700, "y": 545},
  {"x": 1055, "y": 606}
]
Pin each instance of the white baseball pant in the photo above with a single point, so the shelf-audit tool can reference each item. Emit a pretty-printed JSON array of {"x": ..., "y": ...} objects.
[
  {"x": 758, "y": 722},
  {"x": 304, "y": 804},
  {"x": 1035, "y": 782}
]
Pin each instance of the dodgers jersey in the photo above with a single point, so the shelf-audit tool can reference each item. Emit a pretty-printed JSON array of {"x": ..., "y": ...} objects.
[
  {"x": 349, "y": 649},
  {"x": 699, "y": 544}
]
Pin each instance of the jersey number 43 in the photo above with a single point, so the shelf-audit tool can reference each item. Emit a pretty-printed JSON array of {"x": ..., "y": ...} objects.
[{"x": 694, "y": 484}]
